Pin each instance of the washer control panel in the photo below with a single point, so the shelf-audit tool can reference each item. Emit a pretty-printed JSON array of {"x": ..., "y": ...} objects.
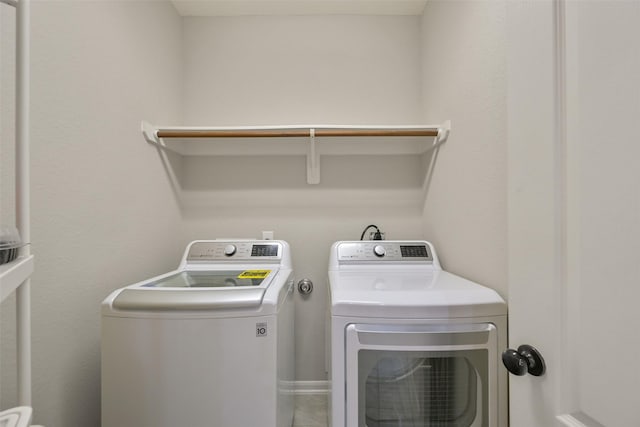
[
  {"x": 234, "y": 251},
  {"x": 380, "y": 250}
]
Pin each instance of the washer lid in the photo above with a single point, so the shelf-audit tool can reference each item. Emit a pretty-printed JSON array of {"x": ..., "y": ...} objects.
[
  {"x": 198, "y": 290},
  {"x": 211, "y": 279},
  {"x": 414, "y": 295}
]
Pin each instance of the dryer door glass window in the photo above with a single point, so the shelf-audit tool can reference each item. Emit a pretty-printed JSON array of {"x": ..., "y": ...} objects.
[
  {"x": 422, "y": 389},
  {"x": 421, "y": 375}
]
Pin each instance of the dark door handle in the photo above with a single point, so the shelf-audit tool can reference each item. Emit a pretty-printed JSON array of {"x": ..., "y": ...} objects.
[{"x": 525, "y": 359}]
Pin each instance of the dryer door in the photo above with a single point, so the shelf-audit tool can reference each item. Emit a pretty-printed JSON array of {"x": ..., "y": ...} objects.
[{"x": 421, "y": 375}]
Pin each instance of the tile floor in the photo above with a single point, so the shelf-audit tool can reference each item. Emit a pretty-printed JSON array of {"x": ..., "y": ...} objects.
[{"x": 310, "y": 410}]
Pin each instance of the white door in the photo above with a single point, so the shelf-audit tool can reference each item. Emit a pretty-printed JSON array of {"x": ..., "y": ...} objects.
[{"x": 574, "y": 210}]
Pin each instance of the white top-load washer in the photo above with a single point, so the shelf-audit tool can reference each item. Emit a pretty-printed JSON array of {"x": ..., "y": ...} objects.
[
  {"x": 209, "y": 344},
  {"x": 411, "y": 344}
]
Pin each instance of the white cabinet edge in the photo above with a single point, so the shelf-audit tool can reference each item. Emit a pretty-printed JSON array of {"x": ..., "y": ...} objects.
[{"x": 14, "y": 273}]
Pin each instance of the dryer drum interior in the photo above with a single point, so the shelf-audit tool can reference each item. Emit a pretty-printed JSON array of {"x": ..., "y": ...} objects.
[{"x": 417, "y": 389}]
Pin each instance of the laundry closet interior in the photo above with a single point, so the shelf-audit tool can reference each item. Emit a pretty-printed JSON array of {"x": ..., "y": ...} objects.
[{"x": 113, "y": 203}]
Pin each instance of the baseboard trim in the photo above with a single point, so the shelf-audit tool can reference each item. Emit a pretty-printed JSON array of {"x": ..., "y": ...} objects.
[
  {"x": 569, "y": 421},
  {"x": 578, "y": 419},
  {"x": 311, "y": 387}
]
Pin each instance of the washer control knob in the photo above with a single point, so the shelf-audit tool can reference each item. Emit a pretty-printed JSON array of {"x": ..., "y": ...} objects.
[
  {"x": 379, "y": 251},
  {"x": 229, "y": 250}
]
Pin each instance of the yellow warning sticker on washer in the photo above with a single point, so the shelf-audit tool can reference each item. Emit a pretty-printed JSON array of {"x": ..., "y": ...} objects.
[{"x": 254, "y": 274}]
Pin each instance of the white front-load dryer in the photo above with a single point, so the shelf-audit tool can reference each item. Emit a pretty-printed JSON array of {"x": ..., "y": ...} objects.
[
  {"x": 209, "y": 344},
  {"x": 411, "y": 344}
]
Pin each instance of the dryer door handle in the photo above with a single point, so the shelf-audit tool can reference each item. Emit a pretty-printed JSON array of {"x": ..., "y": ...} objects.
[
  {"x": 423, "y": 335},
  {"x": 524, "y": 360}
]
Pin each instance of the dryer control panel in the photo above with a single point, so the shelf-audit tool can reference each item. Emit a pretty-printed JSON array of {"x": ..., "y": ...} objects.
[
  {"x": 244, "y": 251},
  {"x": 381, "y": 250}
]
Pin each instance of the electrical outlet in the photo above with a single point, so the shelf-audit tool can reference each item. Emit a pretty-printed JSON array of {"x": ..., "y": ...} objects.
[{"x": 372, "y": 235}]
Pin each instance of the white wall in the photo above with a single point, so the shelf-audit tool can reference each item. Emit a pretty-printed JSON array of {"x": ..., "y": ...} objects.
[
  {"x": 103, "y": 212},
  {"x": 301, "y": 69},
  {"x": 464, "y": 80}
]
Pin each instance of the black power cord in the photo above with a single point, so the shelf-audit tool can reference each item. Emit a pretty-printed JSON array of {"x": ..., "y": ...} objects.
[{"x": 376, "y": 236}]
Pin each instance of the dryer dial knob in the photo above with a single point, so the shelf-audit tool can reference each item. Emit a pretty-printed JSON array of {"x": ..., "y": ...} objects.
[
  {"x": 379, "y": 251},
  {"x": 229, "y": 250}
]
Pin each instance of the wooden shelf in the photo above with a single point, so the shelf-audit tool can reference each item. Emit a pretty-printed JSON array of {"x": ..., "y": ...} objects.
[
  {"x": 311, "y": 141},
  {"x": 319, "y": 132}
]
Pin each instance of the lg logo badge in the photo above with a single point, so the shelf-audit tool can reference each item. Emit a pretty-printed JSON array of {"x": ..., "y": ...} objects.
[{"x": 261, "y": 329}]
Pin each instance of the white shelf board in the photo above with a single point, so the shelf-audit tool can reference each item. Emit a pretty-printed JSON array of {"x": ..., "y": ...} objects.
[
  {"x": 296, "y": 145},
  {"x": 341, "y": 146},
  {"x": 311, "y": 141},
  {"x": 14, "y": 273}
]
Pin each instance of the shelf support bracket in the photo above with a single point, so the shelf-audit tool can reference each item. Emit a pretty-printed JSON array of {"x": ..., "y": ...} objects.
[
  {"x": 443, "y": 134},
  {"x": 149, "y": 133},
  {"x": 313, "y": 160}
]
